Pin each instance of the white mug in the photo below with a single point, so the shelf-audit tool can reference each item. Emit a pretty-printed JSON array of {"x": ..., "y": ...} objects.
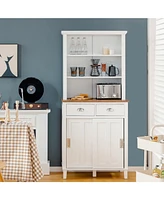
[{"x": 111, "y": 51}]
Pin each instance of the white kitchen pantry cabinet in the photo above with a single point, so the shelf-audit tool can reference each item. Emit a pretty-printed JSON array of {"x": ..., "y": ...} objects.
[{"x": 94, "y": 132}]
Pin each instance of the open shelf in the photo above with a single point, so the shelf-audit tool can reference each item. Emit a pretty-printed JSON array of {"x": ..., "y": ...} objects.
[
  {"x": 90, "y": 77},
  {"x": 96, "y": 41},
  {"x": 145, "y": 143}
]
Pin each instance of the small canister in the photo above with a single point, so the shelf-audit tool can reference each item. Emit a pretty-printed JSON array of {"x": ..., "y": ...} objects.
[
  {"x": 105, "y": 50},
  {"x": 103, "y": 67}
]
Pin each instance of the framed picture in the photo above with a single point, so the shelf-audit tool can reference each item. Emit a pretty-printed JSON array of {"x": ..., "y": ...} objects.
[{"x": 8, "y": 60}]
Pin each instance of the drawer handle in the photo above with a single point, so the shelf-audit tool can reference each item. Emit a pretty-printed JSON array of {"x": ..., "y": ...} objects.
[
  {"x": 68, "y": 142},
  {"x": 110, "y": 109},
  {"x": 80, "y": 109},
  {"x": 121, "y": 143}
]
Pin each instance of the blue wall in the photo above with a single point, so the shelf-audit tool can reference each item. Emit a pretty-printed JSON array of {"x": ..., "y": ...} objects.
[{"x": 40, "y": 56}]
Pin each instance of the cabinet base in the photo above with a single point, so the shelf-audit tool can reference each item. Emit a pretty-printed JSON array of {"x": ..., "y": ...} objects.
[{"x": 94, "y": 172}]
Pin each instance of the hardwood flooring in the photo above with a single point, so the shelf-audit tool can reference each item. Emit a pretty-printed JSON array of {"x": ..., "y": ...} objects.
[{"x": 87, "y": 177}]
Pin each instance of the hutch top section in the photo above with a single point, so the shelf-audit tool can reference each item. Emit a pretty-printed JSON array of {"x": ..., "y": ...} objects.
[{"x": 91, "y": 58}]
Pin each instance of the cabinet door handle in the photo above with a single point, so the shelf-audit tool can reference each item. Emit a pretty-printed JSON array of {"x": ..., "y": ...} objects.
[
  {"x": 68, "y": 142},
  {"x": 110, "y": 109},
  {"x": 121, "y": 143},
  {"x": 80, "y": 109}
]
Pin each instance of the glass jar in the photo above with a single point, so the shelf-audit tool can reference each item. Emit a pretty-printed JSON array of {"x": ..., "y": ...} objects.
[
  {"x": 105, "y": 50},
  {"x": 103, "y": 67}
]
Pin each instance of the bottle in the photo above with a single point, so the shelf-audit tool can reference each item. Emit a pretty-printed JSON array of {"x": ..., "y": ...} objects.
[
  {"x": 72, "y": 46},
  {"x": 156, "y": 171},
  {"x": 162, "y": 169},
  {"x": 78, "y": 46},
  {"x": 84, "y": 46}
]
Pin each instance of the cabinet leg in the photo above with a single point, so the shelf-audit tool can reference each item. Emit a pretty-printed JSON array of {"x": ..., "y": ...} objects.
[
  {"x": 64, "y": 174},
  {"x": 126, "y": 174},
  {"x": 150, "y": 160},
  {"x": 94, "y": 174},
  {"x": 145, "y": 159}
]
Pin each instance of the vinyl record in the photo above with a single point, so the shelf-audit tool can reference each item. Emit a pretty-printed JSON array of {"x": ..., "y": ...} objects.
[{"x": 32, "y": 89}]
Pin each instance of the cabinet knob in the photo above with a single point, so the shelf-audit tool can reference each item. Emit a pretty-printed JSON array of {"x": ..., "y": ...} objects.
[
  {"x": 80, "y": 109},
  {"x": 110, "y": 109}
]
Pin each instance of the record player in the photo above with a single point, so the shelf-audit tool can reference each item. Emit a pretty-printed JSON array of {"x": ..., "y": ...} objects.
[{"x": 31, "y": 90}]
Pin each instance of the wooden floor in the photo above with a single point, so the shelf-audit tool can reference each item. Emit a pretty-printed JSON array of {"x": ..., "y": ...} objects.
[{"x": 87, "y": 177}]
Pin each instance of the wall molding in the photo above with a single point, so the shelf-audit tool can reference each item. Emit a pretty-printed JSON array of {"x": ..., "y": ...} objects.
[{"x": 130, "y": 169}]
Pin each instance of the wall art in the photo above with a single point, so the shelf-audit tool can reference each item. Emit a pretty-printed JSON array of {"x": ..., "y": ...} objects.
[{"x": 8, "y": 60}]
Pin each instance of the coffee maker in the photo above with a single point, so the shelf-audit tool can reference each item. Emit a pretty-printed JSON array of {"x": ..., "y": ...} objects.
[{"x": 95, "y": 65}]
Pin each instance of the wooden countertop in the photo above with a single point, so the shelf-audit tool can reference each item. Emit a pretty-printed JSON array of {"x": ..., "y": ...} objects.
[{"x": 94, "y": 100}]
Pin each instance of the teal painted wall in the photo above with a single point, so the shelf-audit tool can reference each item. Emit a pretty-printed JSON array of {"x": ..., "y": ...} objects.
[{"x": 40, "y": 56}]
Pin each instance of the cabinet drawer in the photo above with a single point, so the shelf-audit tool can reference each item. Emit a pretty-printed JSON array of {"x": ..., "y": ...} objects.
[
  {"x": 80, "y": 109},
  {"x": 110, "y": 109}
]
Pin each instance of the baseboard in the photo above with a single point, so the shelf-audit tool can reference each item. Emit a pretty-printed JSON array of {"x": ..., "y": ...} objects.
[
  {"x": 135, "y": 168},
  {"x": 130, "y": 169},
  {"x": 55, "y": 169},
  {"x": 45, "y": 167}
]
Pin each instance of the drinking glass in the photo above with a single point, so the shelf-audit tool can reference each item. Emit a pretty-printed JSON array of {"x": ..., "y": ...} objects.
[
  {"x": 78, "y": 46},
  {"x": 81, "y": 71},
  {"x": 73, "y": 71},
  {"x": 84, "y": 46},
  {"x": 72, "y": 46}
]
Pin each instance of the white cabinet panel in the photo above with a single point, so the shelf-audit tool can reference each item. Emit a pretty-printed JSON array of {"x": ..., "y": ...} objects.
[
  {"x": 108, "y": 146},
  {"x": 79, "y": 143}
]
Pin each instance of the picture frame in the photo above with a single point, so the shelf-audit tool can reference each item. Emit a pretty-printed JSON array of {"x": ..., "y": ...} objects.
[{"x": 8, "y": 60}]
